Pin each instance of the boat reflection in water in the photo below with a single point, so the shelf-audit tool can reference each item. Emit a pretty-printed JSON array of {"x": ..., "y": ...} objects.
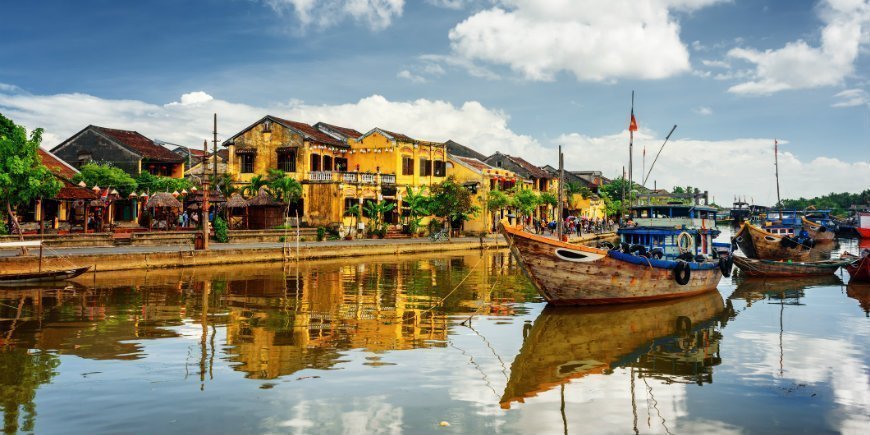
[{"x": 674, "y": 340}]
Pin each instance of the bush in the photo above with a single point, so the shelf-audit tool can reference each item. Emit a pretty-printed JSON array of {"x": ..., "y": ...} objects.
[
  {"x": 321, "y": 234},
  {"x": 220, "y": 230}
]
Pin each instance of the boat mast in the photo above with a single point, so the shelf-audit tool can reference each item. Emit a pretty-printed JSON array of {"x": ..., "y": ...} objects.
[{"x": 776, "y": 166}]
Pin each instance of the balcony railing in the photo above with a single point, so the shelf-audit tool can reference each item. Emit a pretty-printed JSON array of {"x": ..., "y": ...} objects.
[{"x": 349, "y": 177}]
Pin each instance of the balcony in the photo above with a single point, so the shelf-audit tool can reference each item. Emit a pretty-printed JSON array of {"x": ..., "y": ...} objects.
[{"x": 350, "y": 177}]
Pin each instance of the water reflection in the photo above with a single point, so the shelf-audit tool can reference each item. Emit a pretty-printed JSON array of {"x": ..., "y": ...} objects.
[{"x": 674, "y": 341}]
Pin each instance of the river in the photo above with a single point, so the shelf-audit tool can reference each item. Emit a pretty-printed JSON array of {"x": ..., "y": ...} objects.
[{"x": 377, "y": 345}]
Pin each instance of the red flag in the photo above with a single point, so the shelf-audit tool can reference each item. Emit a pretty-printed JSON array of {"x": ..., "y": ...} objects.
[{"x": 632, "y": 126}]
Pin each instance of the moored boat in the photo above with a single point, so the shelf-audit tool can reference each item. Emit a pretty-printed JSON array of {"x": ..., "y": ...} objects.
[
  {"x": 567, "y": 274},
  {"x": 41, "y": 274},
  {"x": 817, "y": 231},
  {"x": 566, "y": 343},
  {"x": 770, "y": 268},
  {"x": 758, "y": 243},
  {"x": 859, "y": 266}
]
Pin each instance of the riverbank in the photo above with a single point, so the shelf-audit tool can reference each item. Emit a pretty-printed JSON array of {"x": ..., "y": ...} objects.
[{"x": 168, "y": 256}]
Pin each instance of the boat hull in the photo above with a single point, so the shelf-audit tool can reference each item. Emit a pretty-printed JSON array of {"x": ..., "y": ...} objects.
[
  {"x": 817, "y": 232},
  {"x": 760, "y": 244},
  {"x": 43, "y": 276},
  {"x": 568, "y": 343},
  {"x": 603, "y": 277},
  {"x": 767, "y": 268}
]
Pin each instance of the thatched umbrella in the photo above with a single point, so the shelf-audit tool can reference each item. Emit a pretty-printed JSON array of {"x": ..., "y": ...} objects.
[
  {"x": 267, "y": 211},
  {"x": 236, "y": 201},
  {"x": 164, "y": 201}
]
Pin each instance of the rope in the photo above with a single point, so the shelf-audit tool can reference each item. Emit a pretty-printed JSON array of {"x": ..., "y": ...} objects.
[{"x": 454, "y": 288}]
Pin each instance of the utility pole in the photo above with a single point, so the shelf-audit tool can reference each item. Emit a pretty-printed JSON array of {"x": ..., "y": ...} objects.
[{"x": 204, "y": 210}]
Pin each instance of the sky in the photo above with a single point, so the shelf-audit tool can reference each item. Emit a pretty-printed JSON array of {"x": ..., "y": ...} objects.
[{"x": 517, "y": 76}]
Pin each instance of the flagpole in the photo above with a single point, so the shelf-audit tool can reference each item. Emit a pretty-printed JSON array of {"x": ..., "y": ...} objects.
[
  {"x": 776, "y": 166},
  {"x": 630, "y": 152}
]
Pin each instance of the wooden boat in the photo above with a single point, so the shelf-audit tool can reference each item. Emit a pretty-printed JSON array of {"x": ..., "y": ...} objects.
[
  {"x": 566, "y": 274},
  {"x": 566, "y": 343},
  {"x": 757, "y": 243},
  {"x": 818, "y": 232},
  {"x": 858, "y": 267},
  {"x": 770, "y": 268},
  {"x": 40, "y": 275}
]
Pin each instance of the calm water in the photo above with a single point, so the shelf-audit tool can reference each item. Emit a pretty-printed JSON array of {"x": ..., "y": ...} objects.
[{"x": 364, "y": 346}]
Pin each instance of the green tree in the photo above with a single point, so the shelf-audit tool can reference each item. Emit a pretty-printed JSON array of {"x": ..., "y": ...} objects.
[
  {"x": 417, "y": 204},
  {"x": 157, "y": 183},
  {"x": 284, "y": 188},
  {"x": 106, "y": 176},
  {"x": 525, "y": 201},
  {"x": 23, "y": 177},
  {"x": 452, "y": 201},
  {"x": 253, "y": 188}
]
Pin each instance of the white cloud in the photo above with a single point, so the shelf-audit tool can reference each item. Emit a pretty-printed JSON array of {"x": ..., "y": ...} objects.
[
  {"x": 594, "y": 40},
  {"x": 851, "y": 98},
  {"x": 746, "y": 163},
  {"x": 376, "y": 14},
  {"x": 703, "y": 110},
  {"x": 408, "y": 75},
  {"x": 798, "y": 65}
]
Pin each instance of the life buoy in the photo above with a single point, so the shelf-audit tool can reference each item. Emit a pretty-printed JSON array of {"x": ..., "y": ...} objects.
[
  {"x": 682, "y": 272},
  {"x": 685, "y": 242},
  {"x": 726, "y": 264}
]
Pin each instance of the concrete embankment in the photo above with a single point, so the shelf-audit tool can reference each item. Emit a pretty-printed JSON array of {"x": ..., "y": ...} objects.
[{"x": 169, "y": 256}]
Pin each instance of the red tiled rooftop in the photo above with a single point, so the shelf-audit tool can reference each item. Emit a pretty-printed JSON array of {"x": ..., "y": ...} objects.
[{"x": 141, "y": 145}]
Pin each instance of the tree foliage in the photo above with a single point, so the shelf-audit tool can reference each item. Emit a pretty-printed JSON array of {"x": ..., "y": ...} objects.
[
  {"x": 105, "y": 176},
  {"x": 23, "y": 177},
  {"x": 157, "y": 183},
  {"x": 838, "y": 203}
]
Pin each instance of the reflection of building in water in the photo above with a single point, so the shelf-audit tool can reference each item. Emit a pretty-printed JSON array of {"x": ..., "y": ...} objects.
[
  {"x": 667, "y": 339},
  {"x": 686, "y": 357},
  {"x": 278, "y": 326}
]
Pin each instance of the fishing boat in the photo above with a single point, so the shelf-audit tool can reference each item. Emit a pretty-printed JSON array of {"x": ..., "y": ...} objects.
[
  {"x": 818, "y": 231},
  {"x": 770, "y": 268},
  {"x": 862, "y": 225},
  {"x": 674, "y": 339},
  {"x": 758, "y": 243},
  {"x": 568, "y": 274},
  {"x": 41, "y": 274},
  {"x": 859, "y": 266}
]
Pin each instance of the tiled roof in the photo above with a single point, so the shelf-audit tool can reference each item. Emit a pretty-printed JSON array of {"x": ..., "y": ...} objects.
[
  {"x": 311, "y": 133},
  {"x": 399, "y": 136},
  {"x": 458, "y": 149},
  {"x": 140, "y": 145},
  {"x": 346, "y": 132},
  {"x": 55, "y": 165},
  {"x": 533, "y": 170}
]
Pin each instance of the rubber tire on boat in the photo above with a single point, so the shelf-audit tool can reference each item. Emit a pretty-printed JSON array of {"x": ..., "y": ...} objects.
[
  {"x": 682, "y": 272},
  {"x": 683, "y": 325},
  {"x": 726, "y": 264}
]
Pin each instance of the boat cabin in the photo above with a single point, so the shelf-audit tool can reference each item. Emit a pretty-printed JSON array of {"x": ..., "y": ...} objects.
[{"x": 672, "y": 229}]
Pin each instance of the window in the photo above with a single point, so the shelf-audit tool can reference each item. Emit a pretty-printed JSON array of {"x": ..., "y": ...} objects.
[
  {"x": 425, "y": 167},
  {"x": 440, "y": 168},
  {"x": 247, "y": 163},
  {"x": 407, "y": 165},
  {"x": 341, "y": 164},
  {"x": 287, "y": 160},
  {"x": 327, "y": 163},
  {"x": 315, "y": 162}
]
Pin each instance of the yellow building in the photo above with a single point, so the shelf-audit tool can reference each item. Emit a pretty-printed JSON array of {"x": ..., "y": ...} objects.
[
  {"x": 338, "y": 167},
  {"x": 481, "y": 179}
]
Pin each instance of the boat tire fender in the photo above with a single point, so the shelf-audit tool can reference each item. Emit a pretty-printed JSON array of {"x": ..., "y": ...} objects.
[{"x": 682, "y": 273}]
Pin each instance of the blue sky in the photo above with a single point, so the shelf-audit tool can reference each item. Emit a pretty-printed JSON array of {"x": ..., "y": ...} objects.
[{"x": 519, "y": 76}]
